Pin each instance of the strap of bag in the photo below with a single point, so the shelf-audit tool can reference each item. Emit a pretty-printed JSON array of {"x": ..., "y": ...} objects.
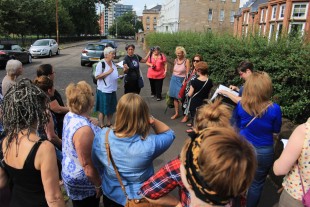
[
  {"x": 302, "y": 185},
  {"x": 200, "y": 89},
  {"x": 110, "y": 159},
  {"x": 257, "y": 115}
]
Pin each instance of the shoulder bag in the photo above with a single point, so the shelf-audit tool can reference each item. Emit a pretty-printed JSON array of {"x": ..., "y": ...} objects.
[
  {"x": 257, "y": 115},
  {"x": 306, "y": 196},
  {"x": 129, "y": 202}
]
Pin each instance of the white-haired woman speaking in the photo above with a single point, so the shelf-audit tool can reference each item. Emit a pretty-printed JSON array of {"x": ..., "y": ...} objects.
[{"x": 106, "y": 75}]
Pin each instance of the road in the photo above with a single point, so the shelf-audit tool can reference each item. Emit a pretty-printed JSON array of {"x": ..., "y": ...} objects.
[{"x": 68, "y": 69}]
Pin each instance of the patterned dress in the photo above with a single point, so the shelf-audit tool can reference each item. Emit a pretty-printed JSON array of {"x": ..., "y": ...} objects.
[
  {"x": 291, "y": 181},
  {"x": 76, "y": 182}
]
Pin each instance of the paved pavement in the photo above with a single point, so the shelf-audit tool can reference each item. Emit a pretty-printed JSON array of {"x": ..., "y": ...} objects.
[{"x": 157, "y": 109}]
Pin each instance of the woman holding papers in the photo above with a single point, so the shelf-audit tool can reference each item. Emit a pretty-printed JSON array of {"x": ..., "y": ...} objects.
[
  {"x": 106, "y": 87},
  {"x": 294, "y": 162},
  {"x": 258, "y": 119}
]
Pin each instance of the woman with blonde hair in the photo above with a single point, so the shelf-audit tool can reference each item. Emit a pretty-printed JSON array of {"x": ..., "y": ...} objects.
[
  {"x": 258, "y": 119},
  {"x": 217, "y": 166},
  {"x": 81, "y": 179},
  {"x": 131, "y": 147},
  {"x": 180, "y": 69}
]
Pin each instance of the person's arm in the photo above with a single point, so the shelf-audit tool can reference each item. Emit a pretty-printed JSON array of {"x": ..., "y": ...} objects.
[
  {"x": 103, "y": 74},
  {"x": 291, "y": 152},
  {"x": 187, "y": 66},
  {"x": 191, "y": 91},
  {"x": 143, "y": 60},
  {"x": 83, "y": 140},
  {"x": 3, "y": 178},
  {"x": 158, "y": 126},
  {"x": 231, "y": 96},
  {"x": 55, "y": 107},
  {"x": 47, "y": 163},
  {"x": 234, "y": 88},
  {"x": 50, "y": 133}
]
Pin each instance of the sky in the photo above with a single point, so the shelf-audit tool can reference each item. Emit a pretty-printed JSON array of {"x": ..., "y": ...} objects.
[{"x": 138, "y": 5}]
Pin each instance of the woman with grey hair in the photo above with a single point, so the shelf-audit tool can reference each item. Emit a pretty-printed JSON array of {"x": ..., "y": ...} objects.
[
  {"x": 106, "y": 75},
  {"x": 14, "y": 68}
]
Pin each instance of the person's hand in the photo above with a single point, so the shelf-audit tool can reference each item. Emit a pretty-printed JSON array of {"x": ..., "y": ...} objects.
[
  {"x": 179, "y": 204},
  {"x": 152, "y": 120},
  {"x": 125, "y": 66},
  {"x": 94, "y": 121},
  {"x": 165, "y": 73},
  {"x": 235, "y": 88},
  {"x": 222, "y": 92}
]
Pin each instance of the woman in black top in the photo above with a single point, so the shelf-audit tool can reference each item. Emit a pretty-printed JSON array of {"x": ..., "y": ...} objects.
[{"x": 132, "y": 69}]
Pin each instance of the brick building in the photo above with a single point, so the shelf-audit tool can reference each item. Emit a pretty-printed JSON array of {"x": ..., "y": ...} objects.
[
  {"x": 198, "y": 15},
  {"x": 272, "y": 18},
  {"x": 150, "y": 18}
]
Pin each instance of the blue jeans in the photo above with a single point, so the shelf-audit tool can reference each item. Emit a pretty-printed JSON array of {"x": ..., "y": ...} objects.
[{"x": 264, "y": 157}]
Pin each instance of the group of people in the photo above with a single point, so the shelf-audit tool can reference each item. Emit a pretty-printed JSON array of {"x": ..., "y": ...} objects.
[{"x": 227, "y": 154}]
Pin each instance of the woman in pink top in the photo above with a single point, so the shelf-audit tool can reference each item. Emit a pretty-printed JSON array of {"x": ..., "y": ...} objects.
[
  {"x": 157, "y": 70},
  {"x": 180, "y": 69}
]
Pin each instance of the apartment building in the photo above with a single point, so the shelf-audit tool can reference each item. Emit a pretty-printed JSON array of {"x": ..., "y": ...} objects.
[
  {"x": 273, "y": 18},
  {"x": 198, "y": 15},
  {"x": 150, "y": 18}
]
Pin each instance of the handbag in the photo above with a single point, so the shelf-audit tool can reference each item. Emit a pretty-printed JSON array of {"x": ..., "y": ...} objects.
[
  {"x": 181, "y": 94},
  {"x": 306, "y": 196},
  {"x": 129, "y": 202},
  {"x": 140, "y": 82}
]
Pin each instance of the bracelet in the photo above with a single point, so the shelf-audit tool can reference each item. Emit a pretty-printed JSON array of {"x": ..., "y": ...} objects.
[{"x": 152, "y": 117}]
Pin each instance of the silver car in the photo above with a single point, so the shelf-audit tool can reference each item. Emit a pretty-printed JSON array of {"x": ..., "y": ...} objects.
[
  {"x": 92, "y": 53},
  {"x": 44, "y": 47}
]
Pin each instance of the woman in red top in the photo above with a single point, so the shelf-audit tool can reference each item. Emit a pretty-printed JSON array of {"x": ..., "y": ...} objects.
[{"x": 157, "y": 70}]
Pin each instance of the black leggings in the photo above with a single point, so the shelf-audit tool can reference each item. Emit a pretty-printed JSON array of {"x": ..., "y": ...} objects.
[
  {"x": 109, "y": 203},
  {"x": 91, "y": 201},
  {"x": 132, "y": 86}
]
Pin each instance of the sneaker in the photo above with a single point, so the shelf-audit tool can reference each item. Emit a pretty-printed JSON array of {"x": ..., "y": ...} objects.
[
  {"x": 158, "y": 99},
  {"x": 152, "y": 96}
]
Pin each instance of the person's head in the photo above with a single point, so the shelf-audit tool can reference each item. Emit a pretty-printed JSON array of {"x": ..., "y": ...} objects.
[
  {"x": 202, "y": 68},
  {"x": 24, "y": 107},
  {"x": 180, "y": 52},
  {"x": 155, "y": 50},
  {"x": 214, "y": 114},
  {"x": 245, "y": 69},
  {"x": 132, "y": 116},
  {"x": 14, "y": 68},
  {"x": 46, "y": 84},
  {"x": 256, "y": 93},
  {"x": 109, "y": 53},
  {"x": 80, "y": 97},
  {"x": 47, "y": 70},
  {"x": 130, "y": 49},
  {"x": 217, "y": 166},
  {"x": 197, "y": 58}
]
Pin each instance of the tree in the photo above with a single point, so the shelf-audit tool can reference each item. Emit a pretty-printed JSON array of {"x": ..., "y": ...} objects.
[
  {"x": 127, "y": 25},
  {"x": 107, "y": 3}
]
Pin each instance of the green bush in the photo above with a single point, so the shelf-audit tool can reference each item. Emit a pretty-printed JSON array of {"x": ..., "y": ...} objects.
[{"x": 287, "y": 61}]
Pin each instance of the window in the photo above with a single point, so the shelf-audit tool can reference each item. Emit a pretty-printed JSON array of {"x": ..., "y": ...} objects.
[
  {"x": 147, "y": 19},
  {"x": 210, "y": 15},
  {"x": 232, "y": 14},
  {"x": 222, "y": 15},
  {"x": 271, "y": 30},
  {"x": 296, "y": 29},
  {"x": 166, "y": 28},
  {"x": 155, "y": 20},
  {"x": 262, "y": 15},
  {"x": 279, "y": 30},
  {"x": 233, "y": 1},
  {"x": 155, "y": 27},
  {"x": 147, "y": 27},
  {"x": 274, "y": 10},
  {"x": 282, "y": 10},
  {"x": 299, "y": 11},
  {"x": 222, "y": 0}
]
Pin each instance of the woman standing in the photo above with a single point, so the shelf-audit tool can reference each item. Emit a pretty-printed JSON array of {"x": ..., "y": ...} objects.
[
  {"x": 180, "y": 69},
  {"x": 156, "y": 73},
  {"x": 57, "y": 105},
  {"x": 81, "y": 179},
  {"x": 132, "y": 148},
  {"x": 106, "y": 87},
  {"x": 189, "y": 77},
  {"x": 132, "y": 69},
  {"x": 294, "y": 163},
  {"x": 27, "y": 160},
  {"x": 199, "y": 89},
  {"x": 258, "y": 119},
  {"x": 14, "y": 68}
]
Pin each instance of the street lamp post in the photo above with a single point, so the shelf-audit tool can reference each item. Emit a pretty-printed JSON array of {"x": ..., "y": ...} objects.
[
  {"x": 116, "y": 28},
  {"x": 99, "y": 19},
  {"x": 57, "y": 31}
]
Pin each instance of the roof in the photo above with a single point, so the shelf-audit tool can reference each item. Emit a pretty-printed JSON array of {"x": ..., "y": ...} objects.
[
  {"x": 158, "y": 7},
  {"x": 256, "y": 3}
]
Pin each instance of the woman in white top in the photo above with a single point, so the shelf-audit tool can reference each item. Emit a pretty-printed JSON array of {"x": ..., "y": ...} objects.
[{"x": 106, "y": 87}]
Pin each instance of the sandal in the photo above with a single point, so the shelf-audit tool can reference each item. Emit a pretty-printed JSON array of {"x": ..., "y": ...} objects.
[
  {"x": 189, "y": 125},
  {"x": 175, "y": 116},
  {"x": 189, "y": 130},
  {"x": 185, "y": 119}
]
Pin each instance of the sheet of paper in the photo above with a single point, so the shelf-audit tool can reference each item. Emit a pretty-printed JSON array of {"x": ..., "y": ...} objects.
[
  {"x": 222, "y": 87},
  {"x": 120, "y": 64}
]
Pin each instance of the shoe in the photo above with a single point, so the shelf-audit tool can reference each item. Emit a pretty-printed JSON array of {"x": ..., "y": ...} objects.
[
  {"x": 174, "y": 116},
  {"x": 185, "y": 119},
  {"x": 152, "y": 96},
  {"x": 189, "y": 130},
  {"x": 158, "y": 99},
  {"x": 189, "y": 125}
]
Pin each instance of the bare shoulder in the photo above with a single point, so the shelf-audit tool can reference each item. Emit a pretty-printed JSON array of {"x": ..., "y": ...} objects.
[{"x": 46, "y": 147}]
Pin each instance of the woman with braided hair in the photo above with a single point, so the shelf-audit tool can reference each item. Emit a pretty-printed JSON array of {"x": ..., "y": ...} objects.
[{"x": 26, "y": 159}]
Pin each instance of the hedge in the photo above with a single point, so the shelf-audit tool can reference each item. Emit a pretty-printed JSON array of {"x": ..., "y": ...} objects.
[{"x": 287, "y": 60}]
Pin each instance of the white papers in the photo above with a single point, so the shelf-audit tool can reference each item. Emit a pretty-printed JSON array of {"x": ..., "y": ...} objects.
[
  {"x": 222, "y": 87},
  {"x": 120, "y": 64},
  {"x": 284, "y": 141}
]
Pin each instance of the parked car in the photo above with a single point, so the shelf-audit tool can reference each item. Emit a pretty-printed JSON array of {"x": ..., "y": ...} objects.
[
  {"x": 44, "y": 47},
  {"x": 13, "y": 51},
  {"x": 111, "y": 43}
]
